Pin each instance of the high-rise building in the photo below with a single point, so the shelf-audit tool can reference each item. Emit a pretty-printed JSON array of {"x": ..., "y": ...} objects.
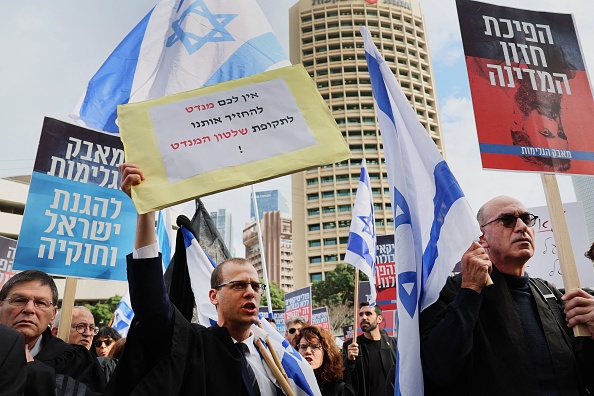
[
  {"x": 277, "y": 241},
  {"x": 584, "y": 192},
  {"x": 269, "y": 201},
  {"x": 222, "y": 221},
  {"x": 325, "y": 38}
]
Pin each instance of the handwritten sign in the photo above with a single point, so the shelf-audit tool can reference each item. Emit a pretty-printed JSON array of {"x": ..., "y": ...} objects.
[
  {"x": 228, "y": 135},
  {"x": 77, "y": 221},
  {"x": 545, "y": 262},
  {"x": 233, "y": 128},
  {"x": 7, "y": 252},
  {"x": 530, "y": 90},
  {"x": 298, "y": 303}
]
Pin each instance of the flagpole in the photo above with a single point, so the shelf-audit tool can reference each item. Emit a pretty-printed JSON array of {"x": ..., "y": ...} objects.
[
  {"x": 356, "y": 305},
  {"x": 262, "y": 255}
]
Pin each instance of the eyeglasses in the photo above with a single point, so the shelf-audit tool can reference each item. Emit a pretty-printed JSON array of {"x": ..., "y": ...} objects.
[
  {"x": 314, "y": 347},
  {"x": 242, "y": 286},
  {"x": 81, "y": 328},
  {"x": 22, "y": 301},
  {"x": 509, "y": 220},
  {"x": 292, "y": 330},
  {"x": 99, "y": 343}
]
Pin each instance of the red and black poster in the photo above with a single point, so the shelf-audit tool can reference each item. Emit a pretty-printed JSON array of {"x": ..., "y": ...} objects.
[{"x": 532, "y": 100}]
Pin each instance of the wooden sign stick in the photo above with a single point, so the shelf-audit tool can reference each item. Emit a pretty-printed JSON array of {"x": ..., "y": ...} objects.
[
  {"x": 562, "y": 240},
  {"x": 67, "y": 307}
]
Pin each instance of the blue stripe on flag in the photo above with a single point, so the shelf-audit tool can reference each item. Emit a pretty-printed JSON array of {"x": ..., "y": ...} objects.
[
  {"x": 358, "y": 245},
  {"x": 188, "y": 238},
  {"x": 447, "y": 191},
  {"x": 112, "y": 84}
]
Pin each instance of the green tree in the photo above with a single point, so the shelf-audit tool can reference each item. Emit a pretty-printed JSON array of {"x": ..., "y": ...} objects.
[
  {"x": 337, "y": 292},
  {"x": 103, "y": 311},
  {"x": 277, "y": 296}
]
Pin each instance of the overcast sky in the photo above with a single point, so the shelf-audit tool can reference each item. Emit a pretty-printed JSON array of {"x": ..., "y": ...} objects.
[{"x": 50, "y": 50}]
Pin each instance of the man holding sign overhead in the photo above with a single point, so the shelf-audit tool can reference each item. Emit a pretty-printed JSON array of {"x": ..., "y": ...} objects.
[{"x": 510, "y": 338}]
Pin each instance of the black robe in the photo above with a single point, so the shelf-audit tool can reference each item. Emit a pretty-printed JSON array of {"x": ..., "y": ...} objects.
[
  {"x": 12, "y": 362},
  {"x": 164, "y": 353}
]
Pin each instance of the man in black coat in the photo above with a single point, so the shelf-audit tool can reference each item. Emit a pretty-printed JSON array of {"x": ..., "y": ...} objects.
[
  {"x": 12, "y": 362},
  {"x": 368, "y": 361},
  {"x": 514, "y": 336},
  {"x": 28, "y": 303},
  {"x": 167, "y": 355}
]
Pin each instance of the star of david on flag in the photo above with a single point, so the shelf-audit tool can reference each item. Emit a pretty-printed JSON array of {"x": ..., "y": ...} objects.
[
  {"x": 179, "y": 46},
  {"x": 434, "y": 225},
  {"x": 361, "y": 247}
]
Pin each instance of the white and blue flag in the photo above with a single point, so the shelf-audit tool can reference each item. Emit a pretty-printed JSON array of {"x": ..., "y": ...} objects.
[
  {"x": 434, "y": 225},
  {"x": 178, "y": 46},
  {"x": 361, "y": 247}
]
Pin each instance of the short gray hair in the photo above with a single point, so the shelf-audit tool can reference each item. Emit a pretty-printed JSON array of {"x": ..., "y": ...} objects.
[
  {"x": 295, "y": 319},
  {"x": 59, "y": 314}
]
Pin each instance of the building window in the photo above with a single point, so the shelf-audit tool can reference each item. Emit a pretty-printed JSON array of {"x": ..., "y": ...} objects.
[
  {"x": 314, "y": 196},
  {"x": 328, "y": 209},
  {"x": 344, "y": 240},
  {"x": 327, "y": 179},
  {"x": 314, "y": 227},
  {"x": 317, "y": 277},
  {"x": 327, "y": 194},
  {"x": 329, "y": 225},
  {"x": 315, "y": 259},
  {"x": 344, "y": 224},
  {"x": 311, "y": 182},
  {"x": 330, "y": 258},
  {"x": 313, "y": 212},
  {"x": 343, "y": 193},
  {"x": 329, "y": 241},
  {"x": 344, "y": 208},
  {"x": 315, "y": 243}
]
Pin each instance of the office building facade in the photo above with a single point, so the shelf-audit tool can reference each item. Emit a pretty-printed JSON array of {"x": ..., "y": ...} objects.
[
  {"x": 269, "y": 201},
  {"x": 278, "y": 248},
  {"x": 325, "y": 38},
  {"x": 223, "y": 222}
]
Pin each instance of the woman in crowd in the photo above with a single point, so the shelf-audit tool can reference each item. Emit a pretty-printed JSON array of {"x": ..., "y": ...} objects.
[
  {"x": 318, "y": 348},
  {"x": 104, "y": 340}
]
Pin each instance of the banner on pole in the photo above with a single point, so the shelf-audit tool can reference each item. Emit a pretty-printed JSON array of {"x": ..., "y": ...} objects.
[
  {"x": 7, "y": 251},
  {"x": 530, "y": 91},
  {"x": 298, "y": 303},
  {"x": 77, "y": 221}
]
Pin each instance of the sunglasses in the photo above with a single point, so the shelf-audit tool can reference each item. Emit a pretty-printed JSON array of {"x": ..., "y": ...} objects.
[
  {"x": 99, "y": 343},
  {"x": 510, "y": 220},
  {"x": 292, "y": 330}
]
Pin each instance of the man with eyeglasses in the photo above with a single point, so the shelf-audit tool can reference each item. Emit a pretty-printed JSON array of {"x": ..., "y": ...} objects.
[
  {"x": 28, "y": 304},
  {"x": 82, "y": 327},
  {"x": 188, "y": 359},
  {"x": 512, "y": 337}
]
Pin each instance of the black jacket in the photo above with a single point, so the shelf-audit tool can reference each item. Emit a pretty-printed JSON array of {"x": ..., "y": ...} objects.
[
  {"x": 356, "y": 372},
  {"x": 12, "y": 362},
  {"x": 165, "y": 354},
  {"x": 474, "y": 344}
]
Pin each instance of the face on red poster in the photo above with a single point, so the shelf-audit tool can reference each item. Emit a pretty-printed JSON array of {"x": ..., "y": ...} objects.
[{"x": 531, "y": 96}]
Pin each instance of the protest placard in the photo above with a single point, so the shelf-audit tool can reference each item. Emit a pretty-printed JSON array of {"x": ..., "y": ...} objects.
[
  {"x": 228, "y": 135},
  {"x": 77, "y": 221}
]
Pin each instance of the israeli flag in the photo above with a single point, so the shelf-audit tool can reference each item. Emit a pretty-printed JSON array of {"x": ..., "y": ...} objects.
[
  {"x": 179, "y": 46},
  {"x": 123, "y": 315},
  {"x": 362, "y": 242},
  {"x": 299, "y": 372},
  {"x": 434, "y": 225}
]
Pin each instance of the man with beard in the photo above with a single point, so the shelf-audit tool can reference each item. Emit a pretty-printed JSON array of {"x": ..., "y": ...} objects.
[{"x": 368, "y": 361}]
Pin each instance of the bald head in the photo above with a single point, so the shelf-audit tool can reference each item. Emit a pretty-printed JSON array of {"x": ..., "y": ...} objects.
[{"x": 509, "y": 244}]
